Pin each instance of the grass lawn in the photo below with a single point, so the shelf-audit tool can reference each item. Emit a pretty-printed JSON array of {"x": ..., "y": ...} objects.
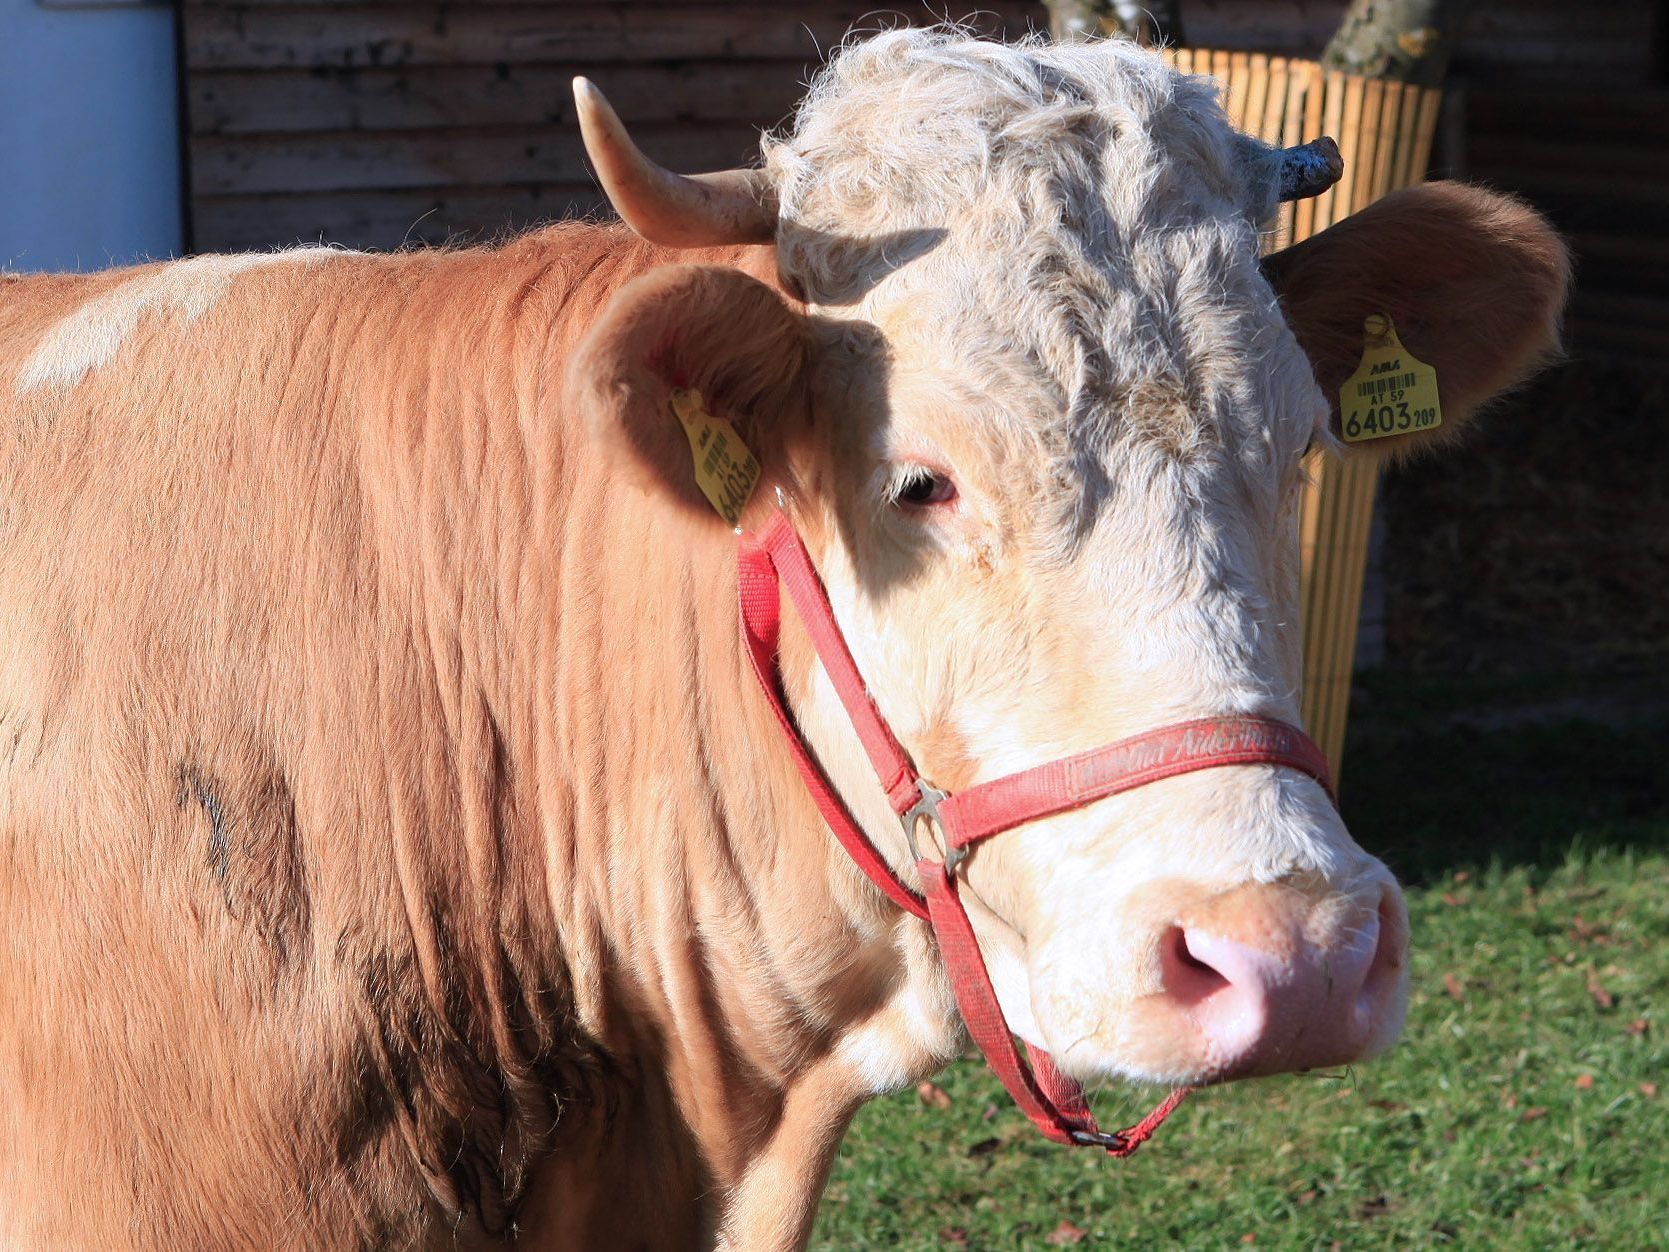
[{"x": 1528, "y": 1104}]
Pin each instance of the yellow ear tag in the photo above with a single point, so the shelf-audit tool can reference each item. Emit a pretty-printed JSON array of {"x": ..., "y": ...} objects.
[
  {"x": 724, "y": 468},
  {"x": 1391, "y": 392}
]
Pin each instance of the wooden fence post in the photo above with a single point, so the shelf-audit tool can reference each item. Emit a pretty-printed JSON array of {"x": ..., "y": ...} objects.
[{"x": 1384, "y": 130}]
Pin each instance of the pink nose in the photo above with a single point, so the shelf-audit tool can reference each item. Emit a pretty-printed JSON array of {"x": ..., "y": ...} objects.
[{"x": 1268, "y": 982}]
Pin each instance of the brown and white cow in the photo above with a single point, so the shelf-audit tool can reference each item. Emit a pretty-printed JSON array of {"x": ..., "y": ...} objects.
[{"x": 394, "y": 849}]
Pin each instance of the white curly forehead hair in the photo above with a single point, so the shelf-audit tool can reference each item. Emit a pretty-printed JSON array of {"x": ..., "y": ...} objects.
[
  {"x": 1078, "y": 219},
  {"x": 1029, "y": 147}
]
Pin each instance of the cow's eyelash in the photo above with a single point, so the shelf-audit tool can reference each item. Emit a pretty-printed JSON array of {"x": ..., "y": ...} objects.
[{"x": 920, "y": 486}]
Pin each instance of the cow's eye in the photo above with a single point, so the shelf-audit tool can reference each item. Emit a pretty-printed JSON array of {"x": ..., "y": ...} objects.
[{"x": 919, "y": 487}]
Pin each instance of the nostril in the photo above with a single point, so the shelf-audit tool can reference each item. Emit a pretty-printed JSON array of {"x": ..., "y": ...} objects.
[
  {"x": 1206, "y": 968},
  {"x": 1391, "y": 920},
  {"x": 1386, "y": 967},
  {"x": 1355, "y": 952},
  {"x": 1188, "y": 978}
]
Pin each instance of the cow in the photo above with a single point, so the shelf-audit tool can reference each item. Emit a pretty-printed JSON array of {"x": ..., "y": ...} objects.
[{"x": 396, "y": 850}]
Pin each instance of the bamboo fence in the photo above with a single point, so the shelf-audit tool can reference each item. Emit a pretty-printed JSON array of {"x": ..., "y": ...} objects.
[{"x": 1384, "y": 131}]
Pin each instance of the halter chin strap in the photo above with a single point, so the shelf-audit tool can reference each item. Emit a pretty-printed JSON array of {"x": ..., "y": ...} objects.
[{"x": 1054, "y": 1102}]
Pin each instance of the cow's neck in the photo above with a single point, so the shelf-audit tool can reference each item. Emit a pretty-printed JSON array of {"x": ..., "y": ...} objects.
[{"x": 651, "y": 916}]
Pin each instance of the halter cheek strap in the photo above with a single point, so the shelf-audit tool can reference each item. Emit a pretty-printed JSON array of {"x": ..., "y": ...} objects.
[{"x": 1053, "y": 1101}]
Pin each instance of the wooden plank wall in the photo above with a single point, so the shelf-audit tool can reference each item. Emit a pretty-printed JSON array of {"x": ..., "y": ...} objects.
[
  {"x": 1555, "y": 41},
  {"x": 1597, "y": 162},
  {"x": 376, "y": 124},
  {"x": 1583, "y": 133}
]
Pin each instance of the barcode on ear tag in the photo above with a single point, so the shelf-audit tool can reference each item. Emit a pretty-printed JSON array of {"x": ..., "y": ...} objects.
[
  {"x": 725, "y": 470},
  {"x": 1391, "y": 393}
]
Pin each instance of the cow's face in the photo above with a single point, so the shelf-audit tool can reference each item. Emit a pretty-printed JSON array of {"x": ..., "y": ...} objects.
[
  {"x": 1050, "y": 421},
  {"x": 1030, "y": 562}
]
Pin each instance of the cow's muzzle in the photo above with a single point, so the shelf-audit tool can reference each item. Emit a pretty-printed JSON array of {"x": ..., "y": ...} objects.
[{"x": 1264, "y": 979}]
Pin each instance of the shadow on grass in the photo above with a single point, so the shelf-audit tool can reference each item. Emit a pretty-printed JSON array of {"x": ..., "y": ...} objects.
[{"x": 1452, "y": 773}]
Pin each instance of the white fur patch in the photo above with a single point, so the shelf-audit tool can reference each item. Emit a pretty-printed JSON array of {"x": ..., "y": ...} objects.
[
  {"x": 89, "y": 338},
  {"x": 916, "y": 1033}
]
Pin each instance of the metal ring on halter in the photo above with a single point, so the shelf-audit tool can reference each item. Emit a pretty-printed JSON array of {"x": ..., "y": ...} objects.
[
  {"x": 928, "y": 807},
  {"x": 1099, "y": 1138}
]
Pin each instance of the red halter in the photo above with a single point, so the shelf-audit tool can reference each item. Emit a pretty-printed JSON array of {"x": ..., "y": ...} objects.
[{"x": 1054, "y": 1102}]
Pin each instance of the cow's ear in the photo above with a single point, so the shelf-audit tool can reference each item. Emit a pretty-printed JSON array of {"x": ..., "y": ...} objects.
[
  {"x": 682, "y": 331},
  {"x": 1474, "y": 283}
]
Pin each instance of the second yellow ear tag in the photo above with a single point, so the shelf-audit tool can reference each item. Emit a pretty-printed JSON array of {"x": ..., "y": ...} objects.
[
  {"x": 724, "y": 468},
  {"x": 1391, "y": 392}
]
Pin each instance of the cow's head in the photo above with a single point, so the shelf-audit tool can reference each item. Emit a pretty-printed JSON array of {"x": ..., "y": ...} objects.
[{"x": 1041, "y": 414}]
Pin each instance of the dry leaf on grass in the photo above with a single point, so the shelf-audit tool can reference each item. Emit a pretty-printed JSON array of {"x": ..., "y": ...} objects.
[
  {"x": 1374, "y": 1206},
  {"x": 1065, "y": 1235},
  {"x": 1602, "y": 997}
]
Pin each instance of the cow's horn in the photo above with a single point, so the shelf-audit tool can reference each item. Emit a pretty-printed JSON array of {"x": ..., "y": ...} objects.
[
  {"x": 678, "y": 210},
  {"x": 1310, "y": 168}
]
